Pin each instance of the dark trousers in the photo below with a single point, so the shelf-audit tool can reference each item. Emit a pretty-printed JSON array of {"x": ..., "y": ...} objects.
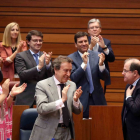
[
  {"x": 90, "y": 102},
  {"x": 34, "y": 103}
]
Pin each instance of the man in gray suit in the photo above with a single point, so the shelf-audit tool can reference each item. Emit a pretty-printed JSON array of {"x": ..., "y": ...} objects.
[
  {"x": 32, "y": 66},
  {"x": 55, "y": 110}
]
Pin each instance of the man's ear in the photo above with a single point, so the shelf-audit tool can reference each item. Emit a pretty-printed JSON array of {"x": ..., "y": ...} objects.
[
  {"x": 55, "y": 69},
  {"x": 135, "y": 72},
  {"x": 88, "y": 31},
  {"x": 27, "y": 42},
  {"x": 75, "y": 45}
]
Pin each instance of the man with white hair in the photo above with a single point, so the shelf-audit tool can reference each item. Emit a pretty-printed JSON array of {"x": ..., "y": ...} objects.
[
  {"x": 100, "y": 44},
  {"x": 131, "y": 107}
]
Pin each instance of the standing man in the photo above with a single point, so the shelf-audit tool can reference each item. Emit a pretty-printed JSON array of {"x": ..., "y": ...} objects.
[
  {"x": 99, "y": 44},
  {"x": 87, "y": 70},
  {"x": 56, "y": 99},
  {"x": 131, "y": 107},
  {"x": 32, "y": 66}
]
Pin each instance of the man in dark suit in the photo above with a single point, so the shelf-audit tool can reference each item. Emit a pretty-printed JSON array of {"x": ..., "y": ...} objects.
[
  {"x": 56, "y": 99},
  {"x": 99, "y": 44},
  {"x": 32, "y": 66},
  {"x": 131, "y": 107},
  {"x": 87, "y": 70}
]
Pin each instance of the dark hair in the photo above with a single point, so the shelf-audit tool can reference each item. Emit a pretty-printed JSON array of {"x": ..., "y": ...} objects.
[
  {"x": 135, "y": 66},
  {"x": 79, "y": 34},
  {"x": 34, "y": 32},
  {"x": 57, "y": 62}
]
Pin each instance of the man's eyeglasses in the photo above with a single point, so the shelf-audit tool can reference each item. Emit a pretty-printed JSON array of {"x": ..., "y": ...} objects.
[
  {"x": 96, "y": 27},
  {"x": 36, "y": 40},
  {"x": 125, "y": 71}
]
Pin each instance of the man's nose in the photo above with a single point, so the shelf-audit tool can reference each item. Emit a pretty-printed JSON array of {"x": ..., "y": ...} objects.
[
  {"x": 84, "y": 43},
  {"x": 69, "y": 73}
]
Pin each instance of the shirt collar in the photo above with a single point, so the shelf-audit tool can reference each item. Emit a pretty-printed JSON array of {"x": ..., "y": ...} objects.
[
  {"x": 80, "y": 53},
  {"x": 56, "y": 81},
  {"x": 134, "y": 84},
  {"x": 33, "y": 52}
]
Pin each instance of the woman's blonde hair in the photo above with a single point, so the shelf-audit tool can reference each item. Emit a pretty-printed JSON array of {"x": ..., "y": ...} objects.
[{"x": 7, "y": 35}]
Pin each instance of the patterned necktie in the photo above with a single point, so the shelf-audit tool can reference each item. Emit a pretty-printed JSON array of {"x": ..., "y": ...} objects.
[
  {"x": 91, "y": 87},
  {"x": 65, "y": 112},
  {"x": 36, "y": 58}
]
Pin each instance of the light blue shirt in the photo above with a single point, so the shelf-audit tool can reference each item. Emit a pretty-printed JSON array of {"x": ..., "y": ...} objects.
[{"x": 47, "y": 66}]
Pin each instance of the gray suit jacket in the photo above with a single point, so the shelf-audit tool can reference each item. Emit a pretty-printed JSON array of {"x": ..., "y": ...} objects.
[
  {"x": 27, "y": 71},
  {"x": 47, "y": 121}
]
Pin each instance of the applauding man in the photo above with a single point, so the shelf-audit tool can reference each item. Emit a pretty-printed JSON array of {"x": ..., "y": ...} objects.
[
  {"x": 100, "y": 44},
  {"x": 32, "y": 66},
  {"x": 56, "y": 99},
  {"x": 87, "y": 70}
]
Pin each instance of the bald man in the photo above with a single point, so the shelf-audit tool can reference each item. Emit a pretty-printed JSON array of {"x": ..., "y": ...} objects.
[{"x": 131, "y": 107}]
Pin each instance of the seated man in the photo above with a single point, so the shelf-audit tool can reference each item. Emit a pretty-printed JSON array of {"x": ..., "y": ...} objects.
[{"x": 32, "y": 66}]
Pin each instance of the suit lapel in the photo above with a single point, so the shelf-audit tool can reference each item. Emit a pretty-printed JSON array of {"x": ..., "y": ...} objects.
[
  {"x": 53, "y": 88},
  {"x": 8, "y": 50},
  {"x": 30, "y": 56},
  {"x": 78, "y": 58},
  {"x": 137, "y": 87},
  {"x": 68, "y": 97}
]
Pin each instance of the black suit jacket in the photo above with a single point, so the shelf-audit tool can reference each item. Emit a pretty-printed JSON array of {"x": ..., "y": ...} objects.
[
  {"x": 108, "y": 58},
  {"x": 131, "y": 123},
  {"x": 27, "y": 71}
]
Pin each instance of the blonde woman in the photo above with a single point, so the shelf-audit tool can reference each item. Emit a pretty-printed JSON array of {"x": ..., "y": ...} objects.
[{"x": 9, "y": 47}]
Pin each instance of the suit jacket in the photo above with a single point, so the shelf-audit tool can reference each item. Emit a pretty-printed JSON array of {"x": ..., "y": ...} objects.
[
  {"x": 131, "y": 123},
  {"x": 108, "y": 58},
  {"x": 47, "y": 121},
  {"x": 8, "y": 69},
  {"x": 27, "y": 71},
  {"x": 79, "y": 76}
]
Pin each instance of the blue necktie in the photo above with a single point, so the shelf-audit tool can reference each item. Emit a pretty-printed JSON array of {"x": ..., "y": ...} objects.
[
  {"x": 36, "y": 58},
  {"x": 91, "y": 87}
]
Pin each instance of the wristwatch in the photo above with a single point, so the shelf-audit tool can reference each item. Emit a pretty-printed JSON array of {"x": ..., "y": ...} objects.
[{"x": 105, "y": 47}]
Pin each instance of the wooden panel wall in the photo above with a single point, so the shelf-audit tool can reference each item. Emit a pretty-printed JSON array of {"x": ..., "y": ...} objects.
[{"x": 60, "y": 20}]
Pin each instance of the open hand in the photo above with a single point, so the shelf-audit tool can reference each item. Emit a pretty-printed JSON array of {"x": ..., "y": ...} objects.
[
  {"x": 77, "y": 94},
  {"x": 102, "y": 58},
  {"x": 17, "y": 90},
  {"x": 129, "y": 91},
  {"x": 64, "y": 93}
]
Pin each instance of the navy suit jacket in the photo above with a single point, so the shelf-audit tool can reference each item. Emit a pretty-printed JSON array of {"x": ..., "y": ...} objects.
[
  {"x": 79, "y": 76},
  {"x": 131, "y": 123},
  {"x": 108, "y": 58}
]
